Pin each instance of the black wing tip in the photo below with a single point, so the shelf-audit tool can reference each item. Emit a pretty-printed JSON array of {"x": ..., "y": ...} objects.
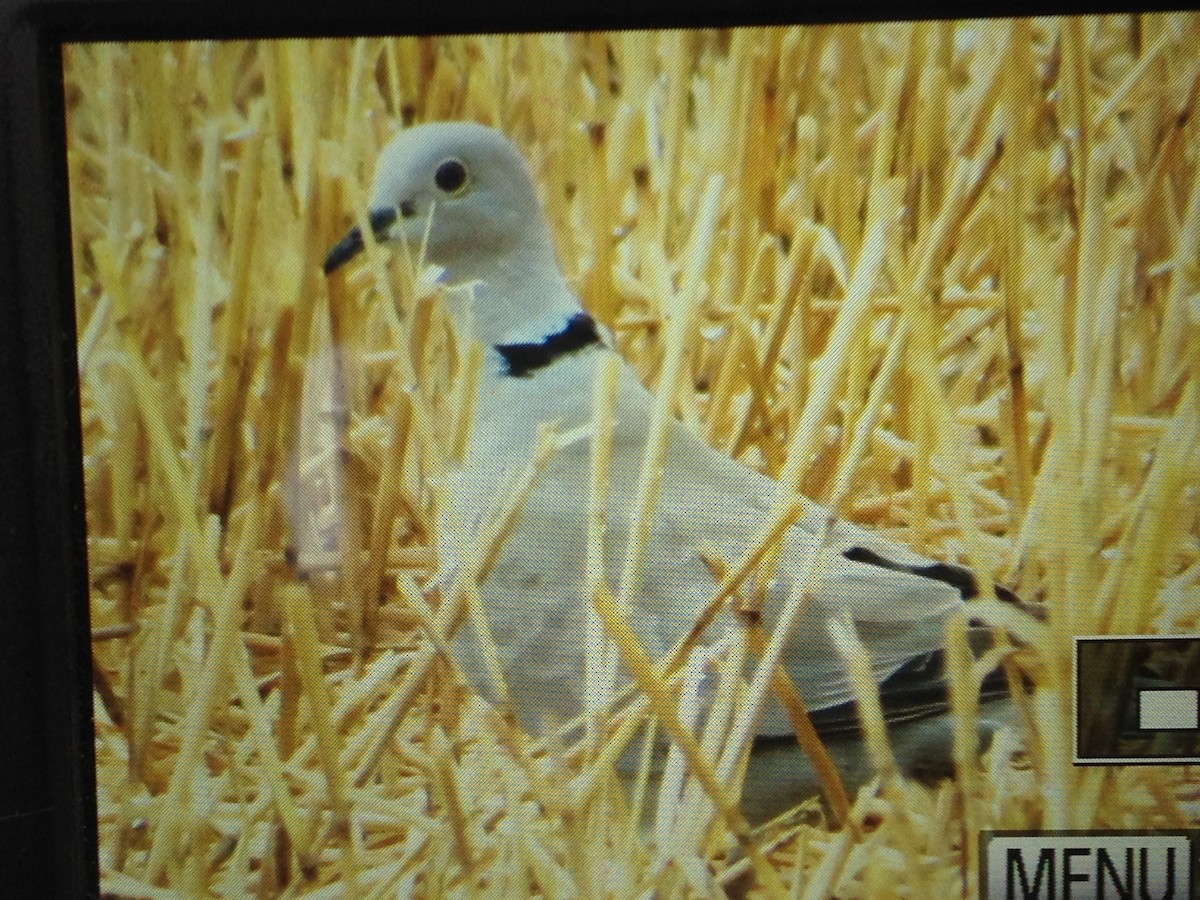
[{"x": 955, "y": 576}]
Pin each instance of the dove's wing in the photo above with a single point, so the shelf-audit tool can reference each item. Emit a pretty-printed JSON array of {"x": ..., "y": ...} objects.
[{"x": 723, "y": 505}]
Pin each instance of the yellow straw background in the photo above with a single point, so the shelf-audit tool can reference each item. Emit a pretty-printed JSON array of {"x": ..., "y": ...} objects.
[{"x": 943, "y": 276}]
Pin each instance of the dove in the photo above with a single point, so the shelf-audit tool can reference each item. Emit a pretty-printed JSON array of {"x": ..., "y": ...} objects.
[{"x": 465, "y": 193}]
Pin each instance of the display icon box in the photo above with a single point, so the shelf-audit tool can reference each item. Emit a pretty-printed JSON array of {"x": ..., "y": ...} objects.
[{"x": 1137, "y": 700}]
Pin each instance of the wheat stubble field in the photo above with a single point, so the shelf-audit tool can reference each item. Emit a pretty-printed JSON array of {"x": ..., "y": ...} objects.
[{"x": 972, "y": 245}]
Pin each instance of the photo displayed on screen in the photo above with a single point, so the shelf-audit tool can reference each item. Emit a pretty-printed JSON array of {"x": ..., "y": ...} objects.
[{"x": 746, "y": 461}]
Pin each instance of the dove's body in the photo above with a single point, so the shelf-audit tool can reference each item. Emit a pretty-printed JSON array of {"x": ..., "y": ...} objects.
[
  {"x": 488, "y": 230},
  {"x": 709, "y": 504}
]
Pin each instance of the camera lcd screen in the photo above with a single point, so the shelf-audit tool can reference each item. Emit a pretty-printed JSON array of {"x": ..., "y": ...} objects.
[{"x": 641, "y": 463}]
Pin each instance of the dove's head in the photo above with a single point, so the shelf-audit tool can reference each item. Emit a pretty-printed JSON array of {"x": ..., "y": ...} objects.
[{"x": 470, "y": 187}]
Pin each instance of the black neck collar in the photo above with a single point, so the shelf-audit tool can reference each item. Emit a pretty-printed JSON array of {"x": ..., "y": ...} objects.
[{"x": 522, "y": 360}]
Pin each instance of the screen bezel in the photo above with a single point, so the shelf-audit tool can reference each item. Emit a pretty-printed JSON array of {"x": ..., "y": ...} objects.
[{"x": 47, "y": 808}]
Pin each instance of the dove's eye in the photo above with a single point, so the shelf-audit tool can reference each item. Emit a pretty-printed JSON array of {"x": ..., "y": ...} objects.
[{"x": 451, "y": 176}]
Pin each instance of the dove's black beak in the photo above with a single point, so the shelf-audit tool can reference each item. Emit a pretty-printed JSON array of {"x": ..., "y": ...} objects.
[{"x": 352, "y": 244}]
